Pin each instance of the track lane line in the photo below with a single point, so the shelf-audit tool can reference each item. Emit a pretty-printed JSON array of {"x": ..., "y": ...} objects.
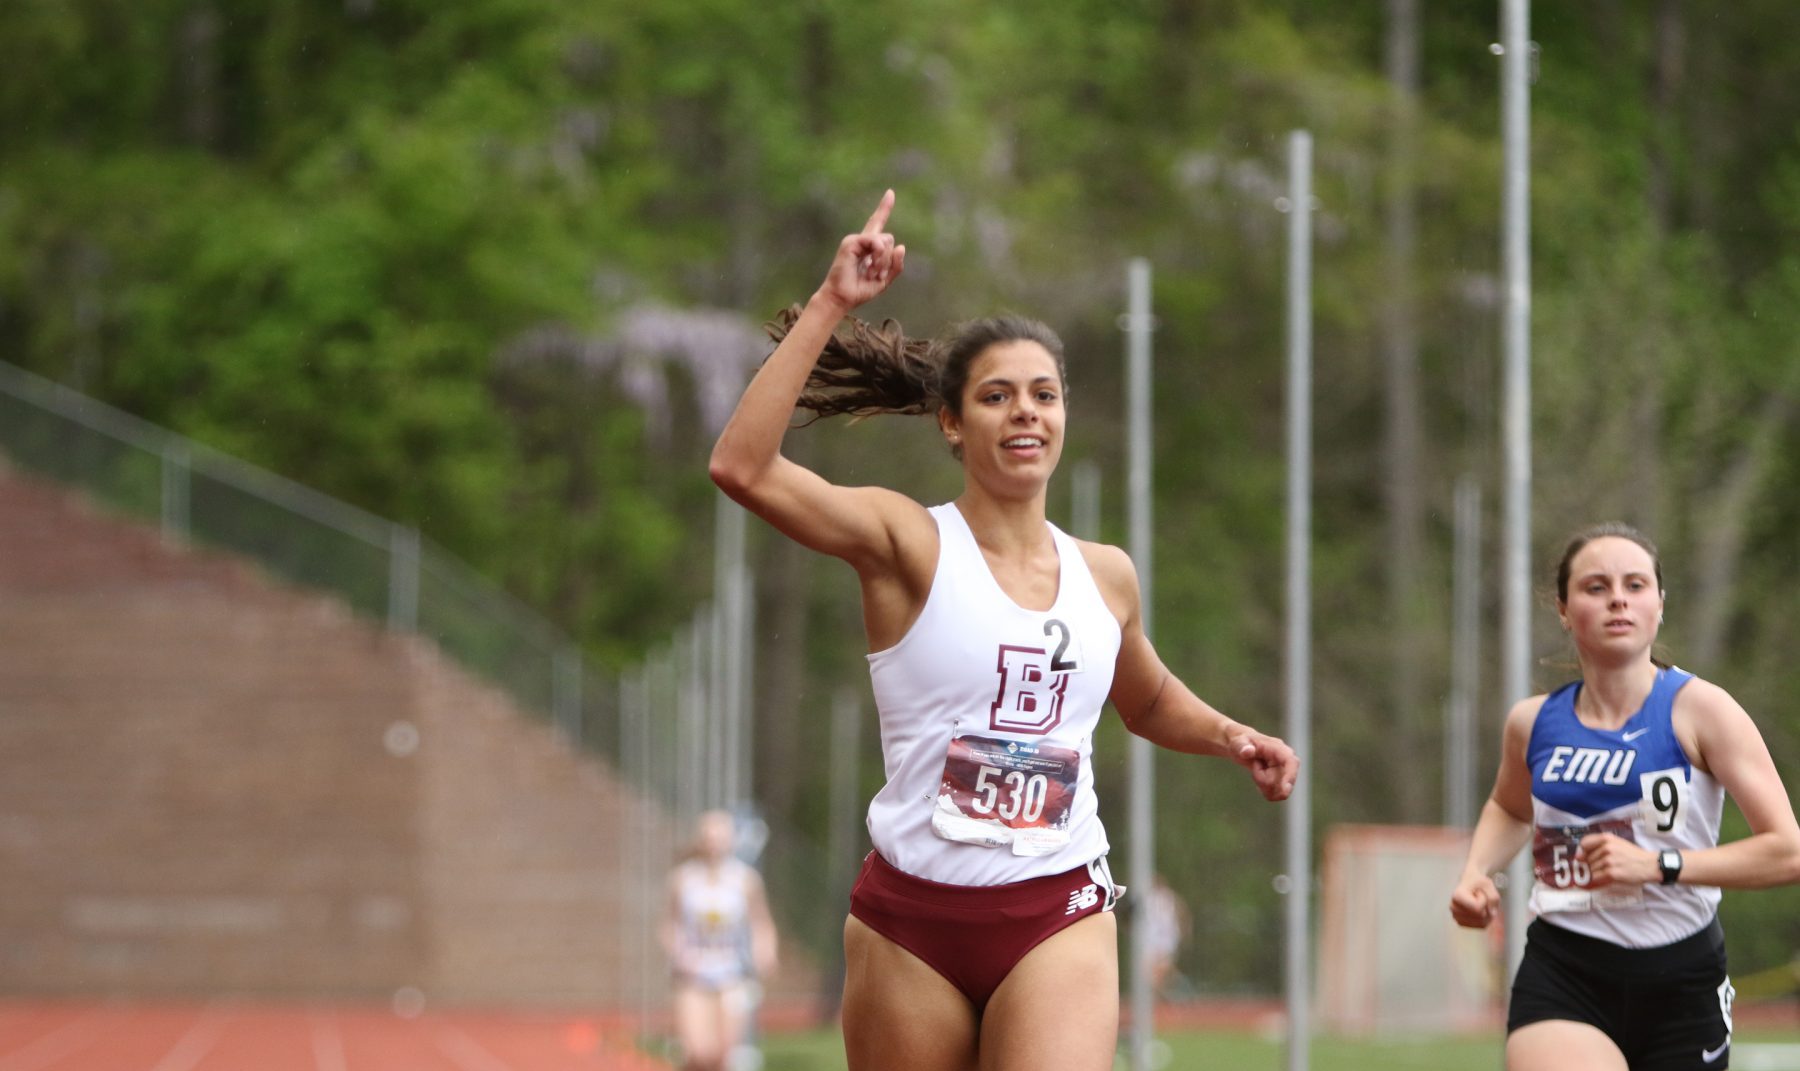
[
  {"x": 465, "y": 1051},
  {"x": 327, "y": 1044},
  {"x": 193, "y": 1046},
  {"x": 60, "y": 1043}
]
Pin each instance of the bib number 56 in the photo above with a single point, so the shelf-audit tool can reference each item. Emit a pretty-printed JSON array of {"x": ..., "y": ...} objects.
[
  {"x": 1010, "y": 794},
  {"x": 1567, "y": 869}
]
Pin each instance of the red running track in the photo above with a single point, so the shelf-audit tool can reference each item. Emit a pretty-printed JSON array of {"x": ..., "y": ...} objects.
[{"x": 231, "y": 1036}]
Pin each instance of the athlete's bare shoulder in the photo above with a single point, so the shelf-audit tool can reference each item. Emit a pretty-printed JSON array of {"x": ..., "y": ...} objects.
[
  {"x": 1114, "y": 574},
  {"x": 1703, "y": 698},
  {"x": 1708, "y": 722},
  {"x": 1523, "y": 717}
]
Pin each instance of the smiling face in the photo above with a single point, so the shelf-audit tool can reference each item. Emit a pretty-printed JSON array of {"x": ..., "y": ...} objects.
[
  {"x": 1613, "y": 601},
  {"x": 1009, "y": 432}
]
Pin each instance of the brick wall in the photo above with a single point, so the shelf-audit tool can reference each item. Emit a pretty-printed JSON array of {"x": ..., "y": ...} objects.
[{"x": 206, "y": 786}]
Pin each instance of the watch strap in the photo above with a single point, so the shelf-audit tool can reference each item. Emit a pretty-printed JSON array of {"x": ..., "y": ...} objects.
[{"x": 1669, "y": 861}]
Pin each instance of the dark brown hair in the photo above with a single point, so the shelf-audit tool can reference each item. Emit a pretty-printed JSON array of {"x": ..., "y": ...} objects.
[{"x": 867, "y": 369}]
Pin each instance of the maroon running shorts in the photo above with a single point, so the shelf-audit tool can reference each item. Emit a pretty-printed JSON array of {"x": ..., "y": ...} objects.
[{"x": 973, "y": 935}]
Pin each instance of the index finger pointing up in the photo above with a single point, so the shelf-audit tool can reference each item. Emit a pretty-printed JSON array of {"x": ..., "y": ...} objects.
[{"x": 879, "y": 219}]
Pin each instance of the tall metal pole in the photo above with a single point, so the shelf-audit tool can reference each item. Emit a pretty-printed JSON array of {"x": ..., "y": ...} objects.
[
  {"x": 636, "y": 916},
  {"x": 1465, "y": 659},
  {"x": 718, "y": 685},
  {"x": 1084, "y": 500},
  {"x": 690, "y": 752},
  {"x": 565, "y": 691},
  {"x": 731, "y": 600},
  {"x": 637, "y": 714},
  {"x": 1515, "y": 335},
  {"x": 177, "y": 491},
  {"x": 846, "y": 766},
  {"x": 1299, "y": 598},
  {"x": 403, "y": 578},
  {"x": 743, "y": 738},
  {"x": 1142, "y": 756},
  {"x": 846, "y": 814}
]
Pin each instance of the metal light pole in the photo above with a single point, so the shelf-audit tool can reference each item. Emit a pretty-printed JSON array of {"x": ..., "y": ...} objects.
[
  {"x": 732, "y": 656},
  {"x": 1515, "y": 335},
  {"x": 1465, "y": 659},
  {"x": 1298, "y": 813},
  {"x": 1142, "y": 756},
  {"x": 1084, "y": 501}
]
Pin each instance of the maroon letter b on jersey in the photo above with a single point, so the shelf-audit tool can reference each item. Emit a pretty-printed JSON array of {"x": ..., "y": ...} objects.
[{"x": 1030, "y": 699}]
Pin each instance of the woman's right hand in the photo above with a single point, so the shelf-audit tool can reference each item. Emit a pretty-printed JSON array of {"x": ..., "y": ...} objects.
[
  {"x": 866, "y": 262},
  {"x": 1476, "y": 901}
]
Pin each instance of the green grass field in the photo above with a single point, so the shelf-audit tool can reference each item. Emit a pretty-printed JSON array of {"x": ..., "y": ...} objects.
[
  {"x": 1227, "y": 1051},
  {"x": 823, "y": 1051}
]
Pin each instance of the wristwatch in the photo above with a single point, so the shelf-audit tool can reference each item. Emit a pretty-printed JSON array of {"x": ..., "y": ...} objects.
[{"x": 1670, "y": 861}]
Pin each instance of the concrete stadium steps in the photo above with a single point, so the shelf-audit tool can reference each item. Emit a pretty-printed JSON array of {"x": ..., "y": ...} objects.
[{"x": 198, "y": 794}]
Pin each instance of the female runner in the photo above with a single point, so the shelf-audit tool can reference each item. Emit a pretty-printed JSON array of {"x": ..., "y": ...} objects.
[
  {"x": 979, "y": 931},
  {"x": 1618, "y": 780},
  {"x": 720, "y": 940}
]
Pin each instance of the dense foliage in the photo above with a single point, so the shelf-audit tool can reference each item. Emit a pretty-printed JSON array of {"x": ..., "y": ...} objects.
[{"x": 391, "y": 248}]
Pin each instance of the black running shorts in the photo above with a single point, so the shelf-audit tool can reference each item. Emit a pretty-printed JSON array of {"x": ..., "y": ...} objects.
[{"x": 1667, "y": 1008}]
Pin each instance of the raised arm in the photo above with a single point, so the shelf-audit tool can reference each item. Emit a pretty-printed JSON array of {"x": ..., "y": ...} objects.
[
  {"x": 1157, "y": 706},
  {"x": 1504, "y": 825},
  {"x": 856, "y": 524}
]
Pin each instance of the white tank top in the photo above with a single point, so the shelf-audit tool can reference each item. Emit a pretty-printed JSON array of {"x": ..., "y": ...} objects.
[
  {"x": 713, "y": 905},
  {"x": 987, "y": 715},
  {"x": 1634, "y": 781}
]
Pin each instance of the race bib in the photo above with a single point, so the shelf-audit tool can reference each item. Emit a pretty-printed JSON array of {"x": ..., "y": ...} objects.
[
  {"x": 1665, "y": 804},
  {"x": 1563, "y": 878},
  {"x": 1006, "y": 793}
]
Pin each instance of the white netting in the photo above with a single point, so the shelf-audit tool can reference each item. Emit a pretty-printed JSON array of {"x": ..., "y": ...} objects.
[{"x": 1390, "y": 958}]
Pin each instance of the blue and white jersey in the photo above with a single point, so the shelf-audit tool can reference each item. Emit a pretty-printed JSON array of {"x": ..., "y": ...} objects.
[{"x": 1636, "y": 782}]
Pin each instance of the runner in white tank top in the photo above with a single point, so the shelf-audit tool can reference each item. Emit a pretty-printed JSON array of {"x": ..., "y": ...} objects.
[
  {"x": 980, "y": 934},
  {"x": 711, "y": 899},
  {"x": 1618, "y": 781},
  {"x": 720, "y": 939},
  {"x": 1019, "y": 692}
]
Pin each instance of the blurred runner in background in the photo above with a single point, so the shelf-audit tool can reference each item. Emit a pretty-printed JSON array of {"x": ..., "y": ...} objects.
[
  {"x": 1169, "y": 923},
  {"x": 721, "y": 942}
]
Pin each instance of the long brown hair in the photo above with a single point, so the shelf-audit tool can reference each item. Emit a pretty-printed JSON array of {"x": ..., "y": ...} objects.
[{"x": 867, "y": 369}]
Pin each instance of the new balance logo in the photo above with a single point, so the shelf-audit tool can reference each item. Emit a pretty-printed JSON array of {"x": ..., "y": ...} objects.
[
  {"x": 1589, "y": 765},
  {"x": 1083, "y": 898}
]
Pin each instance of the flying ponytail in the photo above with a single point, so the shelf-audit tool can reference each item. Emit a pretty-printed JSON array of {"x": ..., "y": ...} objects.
[{"x": 866, "y": 369}]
